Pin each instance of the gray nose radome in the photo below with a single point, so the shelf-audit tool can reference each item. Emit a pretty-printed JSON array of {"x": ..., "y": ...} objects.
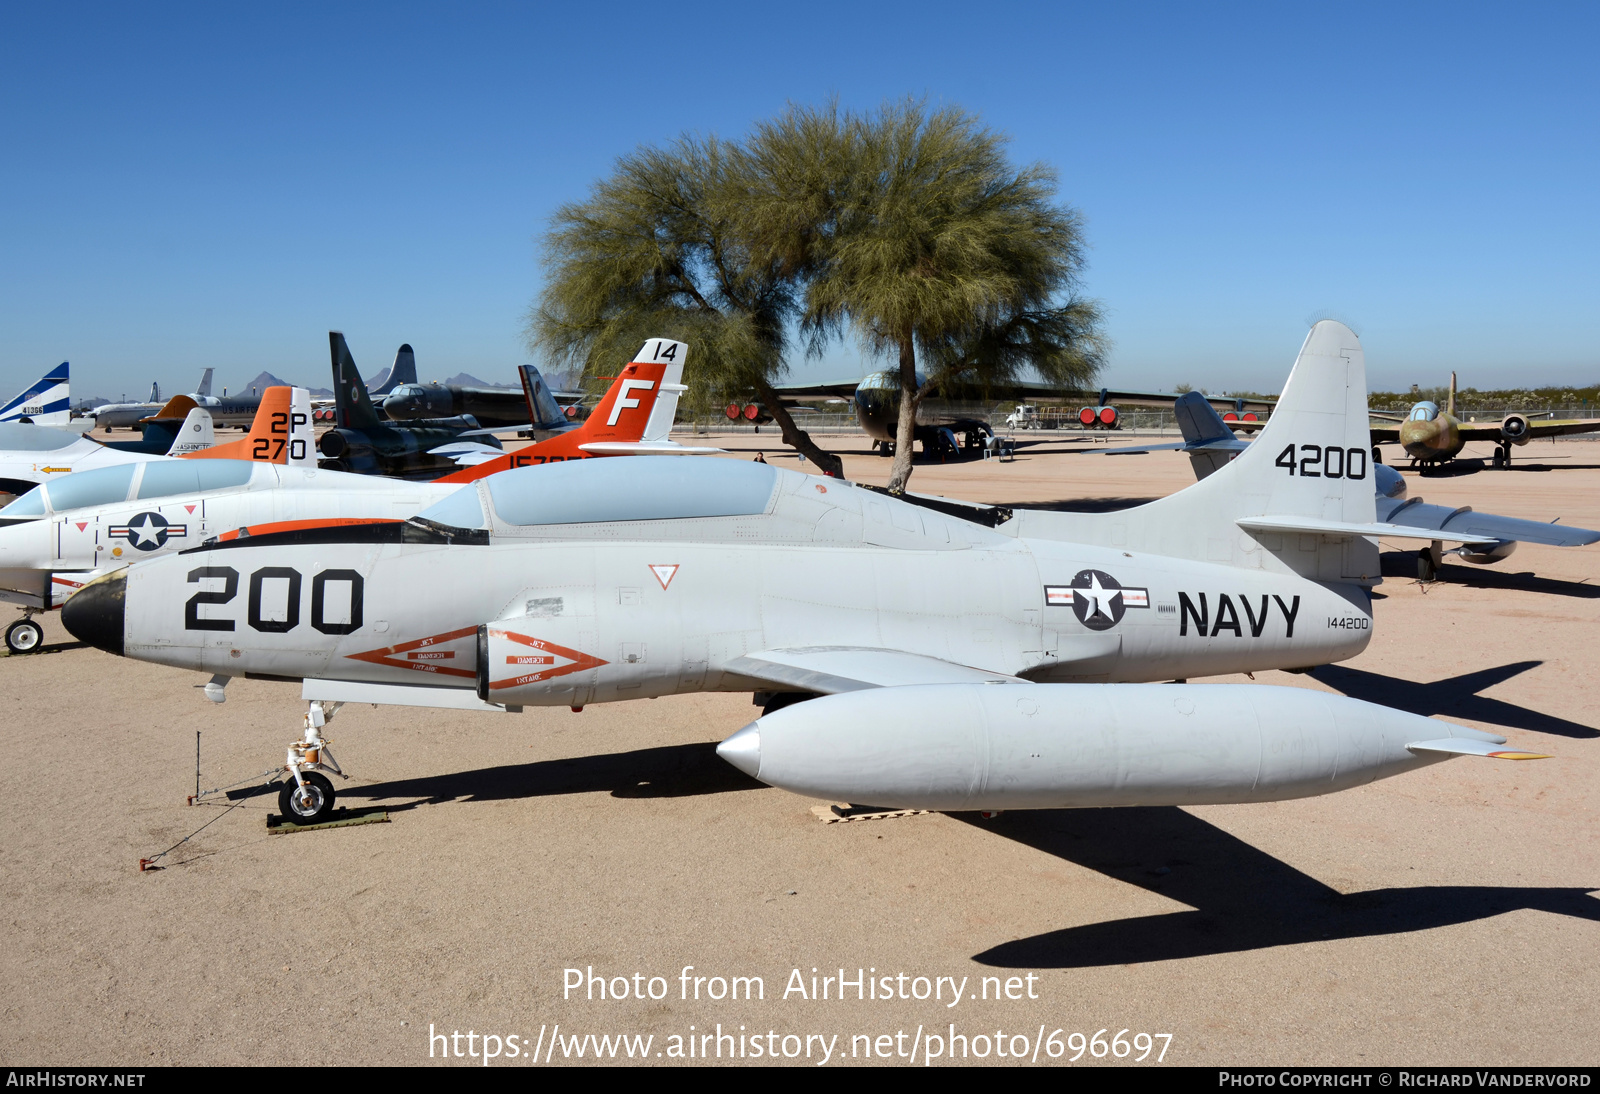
[
  {"x": 743, "y": 749},
  {"x": 95, "y": 613}
]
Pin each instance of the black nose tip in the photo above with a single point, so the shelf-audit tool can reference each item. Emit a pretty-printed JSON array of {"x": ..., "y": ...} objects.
[{"x": 94, "y": 614}]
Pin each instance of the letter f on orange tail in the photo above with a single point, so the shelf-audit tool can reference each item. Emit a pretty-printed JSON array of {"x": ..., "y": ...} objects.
[
  {"x": 281, "y": 432},
  {"x": 633, "y": 418}
]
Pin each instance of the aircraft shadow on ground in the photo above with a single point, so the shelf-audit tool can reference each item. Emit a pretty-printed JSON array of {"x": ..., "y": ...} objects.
[
  {"x": 1243, "y": 898},
  {"x": 672, "y": 771},
  {"x": 1403, "y": 564},
  {"x": 1455, "y": 697}
]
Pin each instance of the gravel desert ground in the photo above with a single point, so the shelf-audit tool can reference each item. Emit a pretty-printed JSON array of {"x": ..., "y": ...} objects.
[{"x": 1442, "y": 917}]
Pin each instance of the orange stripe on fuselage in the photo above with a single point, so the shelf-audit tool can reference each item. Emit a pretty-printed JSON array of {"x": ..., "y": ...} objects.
[
  {"x": 250, "y": 530},
  {"x": 631, "y": 422}
]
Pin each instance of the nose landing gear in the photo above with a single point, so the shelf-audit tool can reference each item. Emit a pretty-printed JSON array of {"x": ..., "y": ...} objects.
[
  {"x": 309, "y": 797},
  {"x": 24, "y": 636}
]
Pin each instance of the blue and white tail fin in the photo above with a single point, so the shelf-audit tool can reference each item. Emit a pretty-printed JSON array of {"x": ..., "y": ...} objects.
[
  {"x": 46, "y": 402},
  {"x": 1298, "y": 499}
]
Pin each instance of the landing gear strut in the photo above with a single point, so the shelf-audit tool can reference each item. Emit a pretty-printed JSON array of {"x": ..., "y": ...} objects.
[
  {"x": 24, "y": 636},
  {"x": 307, "y": 796},
  {"x": 1428, "y": 560}
]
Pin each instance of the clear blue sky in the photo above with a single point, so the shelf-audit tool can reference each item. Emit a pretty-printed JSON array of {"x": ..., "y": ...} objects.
[{"x": 221, "y": 185}]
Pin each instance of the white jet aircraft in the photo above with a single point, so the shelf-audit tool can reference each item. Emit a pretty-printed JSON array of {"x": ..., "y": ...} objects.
[
  {"x": 600, "y": 581},
  {"x": 60, "y": 536}
]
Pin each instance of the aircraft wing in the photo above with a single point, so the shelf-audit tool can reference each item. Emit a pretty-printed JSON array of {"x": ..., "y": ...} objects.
[
  {"x": 646, "y": 448},
  {"x": 834, "y": 669},
  {"x": 1416, "y": 514},
  {"x": 1490, "y": 431},
  {"x": 828, "y": 389}
]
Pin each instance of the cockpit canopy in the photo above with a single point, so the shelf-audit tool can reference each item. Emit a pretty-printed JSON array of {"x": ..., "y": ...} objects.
[
  {"x": 1423, "y": 412},
  {"x": 595, "y": 491},
  {"x": 104, "y": 485}
]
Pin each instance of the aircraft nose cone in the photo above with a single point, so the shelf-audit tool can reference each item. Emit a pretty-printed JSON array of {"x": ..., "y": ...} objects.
[
  {"x": 743, "y": 749},
  {"x": 94, "y": 614}
]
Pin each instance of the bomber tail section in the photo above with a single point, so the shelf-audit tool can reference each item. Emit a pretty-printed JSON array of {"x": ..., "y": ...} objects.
[
  {"x": 543, "y": 410},
  {"x": 47, "y": 401},
  {"x": 204, "y": 390},
  {"x": 1308, "y": 475},
  {"x": 403, "y": 371}
]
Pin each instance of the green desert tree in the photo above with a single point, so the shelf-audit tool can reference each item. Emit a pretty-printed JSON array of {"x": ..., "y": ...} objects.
[
  {"x": 939, "y": 245},
  {"x": 706, "y": 241}
]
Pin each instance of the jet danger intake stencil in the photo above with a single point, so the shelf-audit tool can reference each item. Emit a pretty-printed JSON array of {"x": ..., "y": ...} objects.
[{"x": 1096, "y": 598}]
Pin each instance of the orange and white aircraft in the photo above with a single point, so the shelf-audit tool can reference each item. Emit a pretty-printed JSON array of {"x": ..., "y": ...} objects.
[{"x": 633, "y": 418}]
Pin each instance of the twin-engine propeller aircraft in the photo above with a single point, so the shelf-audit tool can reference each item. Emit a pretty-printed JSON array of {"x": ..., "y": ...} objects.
[
  {"x": 1432, "y": 436},
  {"x": 598, "y": 581},
  {"x": 1483, "y": 538}
]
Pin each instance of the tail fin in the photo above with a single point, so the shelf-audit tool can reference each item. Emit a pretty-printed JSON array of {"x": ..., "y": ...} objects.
[
  {"x": 177, "y": 407},
  {"x": 1201, "y": 426},
  {"x": 155, "y": 393},
  {"x": 45, "y": 402},
  {"x": 627, "y": 410},
  {"x": 543, "y": 410},
  {"x": 403, "y": 371},
  {"x": 1308, "y": 475},
  {"x": 196, "y": 434},
  {"x": 205, "y": 383},
  {"x": 352, "y": 405},
  {"x": 1450, "y": 407},
  {"x": 270, "y": 434},
  {"x": 617, "y": 424}
]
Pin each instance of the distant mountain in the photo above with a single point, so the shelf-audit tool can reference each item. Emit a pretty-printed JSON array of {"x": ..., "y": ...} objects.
[
  {"x": 267, "y": 379},
  {"x": 466, "y": 379}
]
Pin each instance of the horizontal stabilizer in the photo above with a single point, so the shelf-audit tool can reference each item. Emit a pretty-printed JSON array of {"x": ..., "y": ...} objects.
[
  {"x": 467, "y": 453},
  {"x": 1314, "y": 526},
  {"x": 645, "y": 448},
  {"x": 834, "y": 669},
  {"x": 1461, "y": 746}
]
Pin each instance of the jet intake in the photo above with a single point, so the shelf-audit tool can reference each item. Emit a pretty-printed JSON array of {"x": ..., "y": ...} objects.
[
  {"x": 1514, "y": 428},
  {"x": 1045, "y": 746}
]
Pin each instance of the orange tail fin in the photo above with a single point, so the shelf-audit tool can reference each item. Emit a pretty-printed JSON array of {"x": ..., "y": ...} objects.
[
  {"x": 270, "y": 434},
  {"x": 622, "y": 415}
]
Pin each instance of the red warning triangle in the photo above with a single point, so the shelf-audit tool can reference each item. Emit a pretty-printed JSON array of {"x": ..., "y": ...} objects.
[
  {"x": 664, "y": 574},
  {"x": 82, "y": 524},
  {"x": 189, "y": 507}
]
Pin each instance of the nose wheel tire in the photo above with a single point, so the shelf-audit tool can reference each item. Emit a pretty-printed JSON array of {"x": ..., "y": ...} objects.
[
  {"x": 24, "y": 636},
  {"x": 311, "y": 806}
]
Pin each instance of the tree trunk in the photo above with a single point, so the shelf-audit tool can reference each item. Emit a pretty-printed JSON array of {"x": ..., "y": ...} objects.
[
  {"x": 905, "y": 432},
  {"x": 795, "y": 437}
]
